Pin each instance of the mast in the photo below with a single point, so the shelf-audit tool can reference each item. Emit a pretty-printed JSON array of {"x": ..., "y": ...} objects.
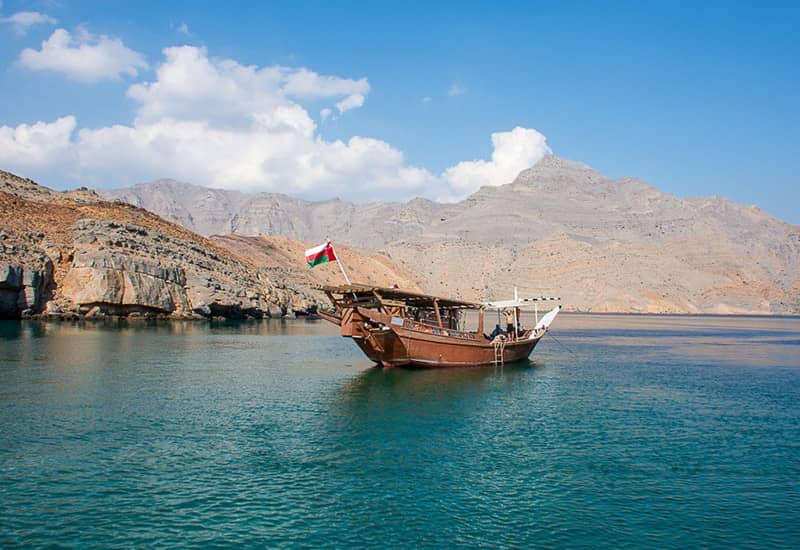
[{"x": 341, "y": 267}]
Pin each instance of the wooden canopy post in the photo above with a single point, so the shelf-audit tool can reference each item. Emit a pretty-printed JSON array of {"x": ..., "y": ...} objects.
[
  {"x": 480, "y": 321},
  {"x": 438, "y": 315}
]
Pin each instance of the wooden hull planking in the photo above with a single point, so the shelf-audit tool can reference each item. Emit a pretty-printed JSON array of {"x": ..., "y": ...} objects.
[{"x": 394, "y": 342}]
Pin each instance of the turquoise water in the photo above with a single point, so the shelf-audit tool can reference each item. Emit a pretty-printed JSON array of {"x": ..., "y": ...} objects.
[{"x": 629, "y": 431}]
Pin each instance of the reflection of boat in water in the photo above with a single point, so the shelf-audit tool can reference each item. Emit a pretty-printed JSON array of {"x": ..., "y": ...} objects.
[
  {"x": 377, "y": 385},
  {"x": 395, "y": 327}
]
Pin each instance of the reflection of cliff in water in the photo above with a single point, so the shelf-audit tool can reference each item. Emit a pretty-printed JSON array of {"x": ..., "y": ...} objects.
[{"x": 262, "y": 327}]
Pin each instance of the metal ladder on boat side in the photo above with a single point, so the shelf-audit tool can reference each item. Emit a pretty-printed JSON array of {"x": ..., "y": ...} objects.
[{"x": 499, "y": 346}]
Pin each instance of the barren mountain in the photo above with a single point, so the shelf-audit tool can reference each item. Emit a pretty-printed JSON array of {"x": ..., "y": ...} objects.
[
  {"x": 74, "y": 253},
  {"x": 559, "y": 228},
  {"x": 219, "y": 212}
]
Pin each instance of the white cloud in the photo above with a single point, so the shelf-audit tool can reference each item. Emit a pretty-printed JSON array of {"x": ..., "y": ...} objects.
[
  {"x": 219, "y": 123},
  {"x": 189, "y": 84},
  {"x": 84, "y": 57},
  {"x": 183, "y": 28},
  {"x": 427, "y": 99},
  {"x": 23, "y": 20},
  {"x": 303, "y": 83},
  {"x": 456, "y": 89},
  {"x": 350, "y": 102},
  {"x": 514, "y": 151},
  {"x": 36, "y": 145}
]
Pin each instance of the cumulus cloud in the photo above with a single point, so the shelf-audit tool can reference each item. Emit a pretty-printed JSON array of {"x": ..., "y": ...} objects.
[
  {"x": 24, "y": 20},
  {"x": 514, "y": 151},
  {"x": 350, "y": 102},
  {"x": 304, "y": 83},
  {"x": 219, "y": 123},
  {"x": 32, "y": 146},
  {"x": 84, "y": 57},
  {"x": 189, "y": 84}
]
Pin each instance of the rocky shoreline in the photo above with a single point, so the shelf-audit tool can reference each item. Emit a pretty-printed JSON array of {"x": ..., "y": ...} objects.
[
  {"x": 76, "y": 255},
  {"x": 604, "y": 246}
]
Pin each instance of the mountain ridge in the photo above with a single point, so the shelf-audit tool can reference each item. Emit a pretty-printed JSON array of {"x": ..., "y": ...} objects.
[{"x": 561, "y": 228}]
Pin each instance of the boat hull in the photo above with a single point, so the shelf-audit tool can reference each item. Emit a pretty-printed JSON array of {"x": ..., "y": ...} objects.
[
  {"x": 425, "y": 350},
  {"x": 394, "y": 342}
]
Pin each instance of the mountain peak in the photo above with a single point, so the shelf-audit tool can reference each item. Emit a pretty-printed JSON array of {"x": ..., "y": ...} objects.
[
  {"x": 610, "y": 244},
  {"x": 554, "y": 174},
  {"x": 553, "y": 162}
]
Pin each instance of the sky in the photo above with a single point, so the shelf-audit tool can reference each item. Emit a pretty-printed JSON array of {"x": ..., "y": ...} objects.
[{"x": 388, "y": 101}]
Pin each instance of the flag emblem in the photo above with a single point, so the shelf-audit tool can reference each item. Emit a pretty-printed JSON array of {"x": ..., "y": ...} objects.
[{"x": 320, "y": 254}]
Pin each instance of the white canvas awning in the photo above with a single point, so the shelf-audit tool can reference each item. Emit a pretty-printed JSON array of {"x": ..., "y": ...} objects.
[{"x": 519, "y": 302}]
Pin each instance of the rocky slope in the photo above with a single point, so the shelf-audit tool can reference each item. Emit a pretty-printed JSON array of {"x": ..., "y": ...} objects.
[
  {"x": 559, "y": 228},
  {"x": 75, "y": 253},
  {"x": 219, "y": 212},
  {"x": 284, "y": 260}
]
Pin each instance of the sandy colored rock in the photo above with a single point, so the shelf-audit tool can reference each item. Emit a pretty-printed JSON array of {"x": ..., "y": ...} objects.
[
  {"x": 560, "y": 228},
  {"x": 76, "y": 253}
]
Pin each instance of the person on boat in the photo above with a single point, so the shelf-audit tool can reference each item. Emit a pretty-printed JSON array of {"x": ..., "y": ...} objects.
[
  {"x": 455, "y": 317},
  {"x": 509, "y": 313},
  {"x": 496, "y": 332}
]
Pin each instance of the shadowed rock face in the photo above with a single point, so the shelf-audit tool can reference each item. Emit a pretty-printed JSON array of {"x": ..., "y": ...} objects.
[
  {"x": 559, "y": 228},
  {"x": 26, "y": 275}
]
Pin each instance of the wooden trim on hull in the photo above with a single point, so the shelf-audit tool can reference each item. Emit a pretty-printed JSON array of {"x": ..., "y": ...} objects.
[{"x": 398, "y": 347}]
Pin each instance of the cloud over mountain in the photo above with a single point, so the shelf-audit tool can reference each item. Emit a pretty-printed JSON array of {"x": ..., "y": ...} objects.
[
  {"x": 514, "y": 151},
  {"x": 218, "y": 122}
]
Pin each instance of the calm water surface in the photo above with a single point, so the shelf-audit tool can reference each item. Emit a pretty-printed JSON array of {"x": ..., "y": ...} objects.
[{"x": 628, "y": 431}]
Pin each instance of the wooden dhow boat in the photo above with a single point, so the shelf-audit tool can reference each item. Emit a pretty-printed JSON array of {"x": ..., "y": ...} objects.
[{"x": 395, "y": 327}]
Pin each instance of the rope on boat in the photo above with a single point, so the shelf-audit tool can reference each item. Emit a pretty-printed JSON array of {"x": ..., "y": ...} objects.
[{"x": 560, "y": 344}]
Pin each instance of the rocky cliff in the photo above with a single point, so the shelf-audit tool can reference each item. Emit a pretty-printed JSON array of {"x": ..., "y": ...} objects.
[
  {"x": 75, "y": 253},
  {"x": 284, "y": 260},
  {"x": 560, "y": 228}
]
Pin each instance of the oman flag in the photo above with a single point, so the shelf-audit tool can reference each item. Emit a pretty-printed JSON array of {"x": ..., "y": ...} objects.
[{"x": 320, "y": 254}]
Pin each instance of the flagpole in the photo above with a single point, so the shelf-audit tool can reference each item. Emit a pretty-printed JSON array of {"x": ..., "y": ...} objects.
[{"x": 341, "y": 266}]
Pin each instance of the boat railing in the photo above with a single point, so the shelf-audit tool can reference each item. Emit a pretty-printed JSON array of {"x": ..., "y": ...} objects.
[
  {"x": 437, "y": 330},
  {"x": 428, "y": 328}
]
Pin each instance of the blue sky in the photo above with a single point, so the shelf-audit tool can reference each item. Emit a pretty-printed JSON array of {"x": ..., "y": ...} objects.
[{"x": 695, "y": 98}]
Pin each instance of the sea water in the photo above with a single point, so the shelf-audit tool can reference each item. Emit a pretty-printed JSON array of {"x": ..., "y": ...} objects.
[{"x": 622, "y": 431}]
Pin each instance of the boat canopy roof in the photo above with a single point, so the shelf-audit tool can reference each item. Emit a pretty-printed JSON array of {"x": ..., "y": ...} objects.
[
  {"x": 364, "y": 294},
  {"x": 519, "y": 302}
]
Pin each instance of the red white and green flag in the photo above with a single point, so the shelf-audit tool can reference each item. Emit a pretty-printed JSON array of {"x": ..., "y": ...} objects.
[{"x": 320, "y": 254}]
